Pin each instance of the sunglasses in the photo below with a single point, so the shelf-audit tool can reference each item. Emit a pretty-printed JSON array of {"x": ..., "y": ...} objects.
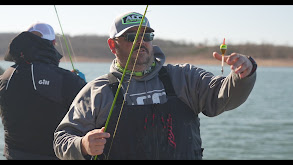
[{"x": 131, "y": 36}]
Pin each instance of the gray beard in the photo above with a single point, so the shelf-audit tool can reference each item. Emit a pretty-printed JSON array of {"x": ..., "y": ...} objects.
[{"x": 144, "y": 64}]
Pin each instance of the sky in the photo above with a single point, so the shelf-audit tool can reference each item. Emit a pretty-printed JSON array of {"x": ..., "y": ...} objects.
[{"x": 208, "y": 24}]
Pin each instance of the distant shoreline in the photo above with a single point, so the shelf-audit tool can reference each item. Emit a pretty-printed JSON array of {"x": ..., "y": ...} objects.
[
  {"x": 191, "y": 60},
  {"x": 198, "y": 61}
]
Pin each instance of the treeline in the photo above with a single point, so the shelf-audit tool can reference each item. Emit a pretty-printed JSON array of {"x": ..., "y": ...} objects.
[{"x": 97, "y": 47}]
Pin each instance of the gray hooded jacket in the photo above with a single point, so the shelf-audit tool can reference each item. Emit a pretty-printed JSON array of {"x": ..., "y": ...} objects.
[{"x": 197, "y": 88}]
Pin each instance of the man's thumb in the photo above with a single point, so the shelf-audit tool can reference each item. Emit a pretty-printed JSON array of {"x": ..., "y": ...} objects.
[{"x": 102, "y": 129}]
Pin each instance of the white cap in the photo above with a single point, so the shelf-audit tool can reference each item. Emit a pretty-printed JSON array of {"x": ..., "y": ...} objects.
[{"x": 45, "y": 29}]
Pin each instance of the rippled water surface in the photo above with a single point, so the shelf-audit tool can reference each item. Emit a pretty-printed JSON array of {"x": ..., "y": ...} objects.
[{"x": 261, "y": 128}]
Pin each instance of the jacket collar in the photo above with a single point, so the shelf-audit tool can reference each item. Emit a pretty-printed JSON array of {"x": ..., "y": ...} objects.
[{"x": 28, "y": 47}]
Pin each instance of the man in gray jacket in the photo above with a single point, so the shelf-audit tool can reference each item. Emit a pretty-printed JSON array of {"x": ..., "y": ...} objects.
[{"x": 156, "y": 111}]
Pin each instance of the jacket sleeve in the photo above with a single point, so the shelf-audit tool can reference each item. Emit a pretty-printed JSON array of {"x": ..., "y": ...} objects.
[
  {"x": 209, "y": 94},
  {"x": 75, "y": 124},
  {"x": 87, "y": 106}
]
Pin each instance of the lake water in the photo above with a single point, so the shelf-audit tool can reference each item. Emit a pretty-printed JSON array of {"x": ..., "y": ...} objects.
[{"x": 261, "y": 128}]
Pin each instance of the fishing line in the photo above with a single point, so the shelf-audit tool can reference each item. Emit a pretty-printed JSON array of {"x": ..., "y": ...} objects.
[
  {"x": 60, "y": 44},
  {"x": 124, "y": 99},
  {"x": 62, "y": 49},
  {"x": 124, "y": 72},
  {"x": 74, "y": 56},
  {"x": 64, "y": 38},
  {"x": 123, "y": 75}
]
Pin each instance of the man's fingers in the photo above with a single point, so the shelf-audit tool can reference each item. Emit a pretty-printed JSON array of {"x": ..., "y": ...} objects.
[
  {"x": 238, "y": 62},
  {"x": 244, "y": 73},
  {"x": 95, "y": 149},
  {"x": 219, "y": 56},
  {"x": 93, "y": 142},
  {"x": 99, "y": 133},
  {"x": 233, "y": 58},
  {"x": 98, "y": 142}
]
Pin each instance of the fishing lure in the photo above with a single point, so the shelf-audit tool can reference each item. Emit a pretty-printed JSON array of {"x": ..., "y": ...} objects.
[{"x": 223, "y": 49}]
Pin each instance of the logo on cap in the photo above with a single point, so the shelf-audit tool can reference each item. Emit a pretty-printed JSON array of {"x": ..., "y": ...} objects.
[{"x": 132, "y": 18}]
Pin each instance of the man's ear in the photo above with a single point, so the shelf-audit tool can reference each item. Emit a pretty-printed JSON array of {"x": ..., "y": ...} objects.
[
  {"x": 54, "y": 42},
  {"x": 111, "y": 44}
]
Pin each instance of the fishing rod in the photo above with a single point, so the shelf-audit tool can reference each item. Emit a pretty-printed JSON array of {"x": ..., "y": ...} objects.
[
  {"x": 124, "y": 72},
  {"x": 64, "y": 38}
]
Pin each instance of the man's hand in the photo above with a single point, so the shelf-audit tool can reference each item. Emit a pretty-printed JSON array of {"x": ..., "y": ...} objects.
[
  {"x": 238, "y": 62},
  {"x": 93, "y": 142}
]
